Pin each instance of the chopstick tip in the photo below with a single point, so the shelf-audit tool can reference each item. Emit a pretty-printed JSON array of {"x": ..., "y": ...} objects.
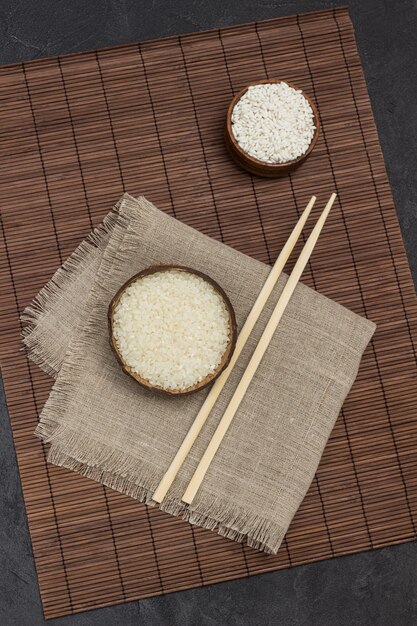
[{"x": 330, "y": 202}]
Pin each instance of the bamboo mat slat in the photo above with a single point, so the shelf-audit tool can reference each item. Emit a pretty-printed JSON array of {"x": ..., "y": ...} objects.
[{"x": 147, "y": 118}]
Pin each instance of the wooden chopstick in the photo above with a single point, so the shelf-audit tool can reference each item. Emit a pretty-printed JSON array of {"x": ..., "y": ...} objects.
[
  {"x": 218, "y": 385},
  {"x": 256, "y": 358}
]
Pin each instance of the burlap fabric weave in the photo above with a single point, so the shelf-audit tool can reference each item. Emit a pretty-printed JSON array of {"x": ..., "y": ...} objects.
[{"x": 103, "y": 425}]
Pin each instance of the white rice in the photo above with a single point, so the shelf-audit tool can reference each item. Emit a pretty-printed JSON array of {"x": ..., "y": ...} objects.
[
  {"x": 273, "y": 122},
  {"x": 172, "y": 328}
]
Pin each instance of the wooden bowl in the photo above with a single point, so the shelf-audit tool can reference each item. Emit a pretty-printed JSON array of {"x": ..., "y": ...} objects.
[
  {"x": 255, "y": 166},
  {"x": 226, "y": 356}
]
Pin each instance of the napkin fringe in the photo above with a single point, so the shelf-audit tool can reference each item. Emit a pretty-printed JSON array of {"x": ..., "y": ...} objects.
[
  {"x": 231, "y": 522},
  {"x": 44, "y": 302},
  {"x": 125, "y": 473},
  {"x": 59, "y": 399}
]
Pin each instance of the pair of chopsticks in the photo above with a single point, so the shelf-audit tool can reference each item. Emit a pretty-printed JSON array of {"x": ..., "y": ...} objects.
[{"x": 254, "y": 362}]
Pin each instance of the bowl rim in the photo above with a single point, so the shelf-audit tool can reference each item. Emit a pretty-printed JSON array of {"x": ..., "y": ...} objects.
[
  {"x": 258, "y": 162},
  {"x": 225, "y": 360}
]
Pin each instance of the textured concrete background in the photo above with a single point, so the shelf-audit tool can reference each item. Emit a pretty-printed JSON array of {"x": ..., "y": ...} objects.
[{"x": 371, "y": 589}]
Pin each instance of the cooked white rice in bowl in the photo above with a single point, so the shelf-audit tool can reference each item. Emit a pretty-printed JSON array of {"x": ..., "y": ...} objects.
[{"x": 173, "y": 329}]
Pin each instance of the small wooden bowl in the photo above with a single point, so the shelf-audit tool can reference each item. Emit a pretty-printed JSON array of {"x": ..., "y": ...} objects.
[
  {"x": 226, "y": 356},
  {"x": 255, "y": 166}
]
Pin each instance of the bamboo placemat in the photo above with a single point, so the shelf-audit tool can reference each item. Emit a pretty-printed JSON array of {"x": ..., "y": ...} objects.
[{"x": 148, "y": 118}]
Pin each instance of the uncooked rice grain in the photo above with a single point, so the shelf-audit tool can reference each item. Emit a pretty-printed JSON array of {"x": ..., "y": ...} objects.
[
  {"x": 273, "y": 122},
  {"x": 172, "y": 328}
]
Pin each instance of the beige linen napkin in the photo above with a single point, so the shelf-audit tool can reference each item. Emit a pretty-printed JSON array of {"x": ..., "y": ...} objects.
[{"x": 103, "y": 425}]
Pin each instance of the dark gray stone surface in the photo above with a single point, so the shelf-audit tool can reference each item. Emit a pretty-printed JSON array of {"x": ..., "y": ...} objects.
[{"x": 371, "y": 589}]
